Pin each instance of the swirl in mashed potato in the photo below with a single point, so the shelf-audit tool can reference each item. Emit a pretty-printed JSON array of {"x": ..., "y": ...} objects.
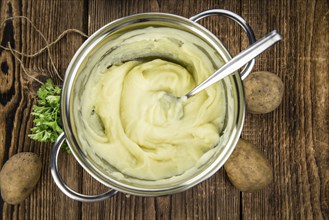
[{"x": 125, "y": 115}]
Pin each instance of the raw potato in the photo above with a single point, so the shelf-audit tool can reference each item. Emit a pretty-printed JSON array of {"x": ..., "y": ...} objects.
[
  {"x": 247, "y": 168},
  {"x": 264, "y": 91},
  {"x": 19, "y": 176}
]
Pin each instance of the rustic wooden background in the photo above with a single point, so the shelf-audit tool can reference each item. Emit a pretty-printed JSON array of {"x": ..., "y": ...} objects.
[{"x": 294, "y": 137}]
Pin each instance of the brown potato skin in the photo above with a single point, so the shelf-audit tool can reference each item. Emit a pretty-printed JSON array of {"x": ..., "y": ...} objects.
[
  {"x": 247, "y": 168},
  {"x": 18, "y": 177},
  {"x": 264, "y": 92}
]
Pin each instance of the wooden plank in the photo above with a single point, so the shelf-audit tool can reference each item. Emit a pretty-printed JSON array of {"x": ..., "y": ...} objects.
[
  {"x": 287, "y": 137},
  {"x": 263, "y": 130},
  {"x": 319, "y": 120},
  {"x": 10, "y": 94},
  {"x": 18, "y": 95}
]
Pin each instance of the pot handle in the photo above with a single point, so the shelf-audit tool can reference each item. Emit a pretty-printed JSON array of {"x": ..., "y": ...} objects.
[
  {"x": 243, "y": 23},
  {"x": 66, "y": 189}
]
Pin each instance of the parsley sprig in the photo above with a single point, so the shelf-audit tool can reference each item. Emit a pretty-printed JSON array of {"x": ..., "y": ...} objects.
[{"x": 47, "y": 123}]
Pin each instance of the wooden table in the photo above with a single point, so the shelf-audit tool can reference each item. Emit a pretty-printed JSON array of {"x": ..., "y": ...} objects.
[{"x": 294, "y": 137}]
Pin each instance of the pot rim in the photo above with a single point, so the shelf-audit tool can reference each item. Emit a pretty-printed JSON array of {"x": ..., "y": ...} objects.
[{"x": 66, "y": 98}]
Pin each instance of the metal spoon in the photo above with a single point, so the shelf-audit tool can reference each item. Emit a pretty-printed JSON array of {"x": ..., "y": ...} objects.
[{"x": 237, "y": 62}]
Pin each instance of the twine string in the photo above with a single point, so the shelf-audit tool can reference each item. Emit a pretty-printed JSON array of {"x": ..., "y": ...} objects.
[{"x": 47, "y": 47}]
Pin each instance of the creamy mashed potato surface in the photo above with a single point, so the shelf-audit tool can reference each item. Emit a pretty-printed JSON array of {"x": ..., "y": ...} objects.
[{"x": 125, "y": 115}]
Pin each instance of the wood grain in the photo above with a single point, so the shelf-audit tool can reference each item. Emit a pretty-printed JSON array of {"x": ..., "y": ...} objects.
[{"x": 295, "y": 137}]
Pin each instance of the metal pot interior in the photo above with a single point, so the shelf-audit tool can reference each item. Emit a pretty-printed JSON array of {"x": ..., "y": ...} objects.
[{"x": 76, "y": 76}]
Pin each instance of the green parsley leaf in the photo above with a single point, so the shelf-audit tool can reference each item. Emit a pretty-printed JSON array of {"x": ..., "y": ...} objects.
[{"x": 47, "y": 123}]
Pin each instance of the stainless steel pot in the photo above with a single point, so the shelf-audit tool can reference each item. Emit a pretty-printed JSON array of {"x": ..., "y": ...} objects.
[{"x": 80, "y": 59}]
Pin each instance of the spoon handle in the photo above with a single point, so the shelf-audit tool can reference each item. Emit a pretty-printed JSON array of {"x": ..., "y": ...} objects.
[{"x": 238, "y": 61}]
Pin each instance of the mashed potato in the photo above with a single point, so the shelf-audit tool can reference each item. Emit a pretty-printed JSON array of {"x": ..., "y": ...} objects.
[{"x": 128, "y": 119}]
